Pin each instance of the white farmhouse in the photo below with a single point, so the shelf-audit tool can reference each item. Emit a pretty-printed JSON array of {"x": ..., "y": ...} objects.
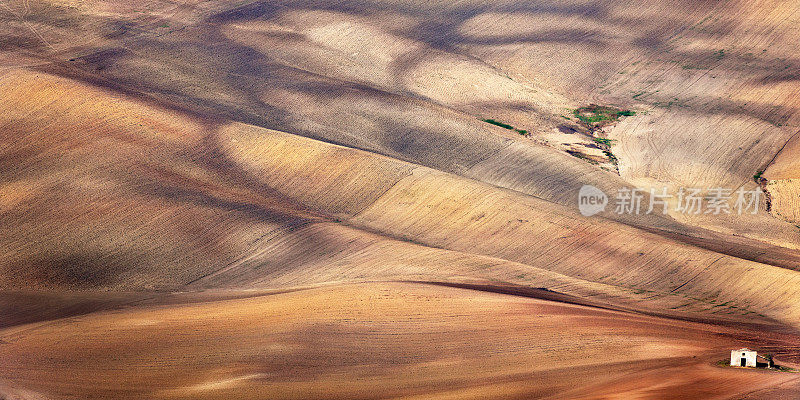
[{"x": 743, "y": 358}]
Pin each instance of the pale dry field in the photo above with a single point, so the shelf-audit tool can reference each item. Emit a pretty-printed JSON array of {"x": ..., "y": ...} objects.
[{"x": 207, "y": 199}]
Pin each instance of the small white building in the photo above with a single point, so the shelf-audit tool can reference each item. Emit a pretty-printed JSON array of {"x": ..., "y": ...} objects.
[{"x": 743, "y": 358}]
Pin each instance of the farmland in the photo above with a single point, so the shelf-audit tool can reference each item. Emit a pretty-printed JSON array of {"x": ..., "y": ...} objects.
[{"x": 368, "y": 199}]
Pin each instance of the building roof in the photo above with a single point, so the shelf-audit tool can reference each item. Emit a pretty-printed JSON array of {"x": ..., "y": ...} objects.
[{"x": 743, "y": 349}]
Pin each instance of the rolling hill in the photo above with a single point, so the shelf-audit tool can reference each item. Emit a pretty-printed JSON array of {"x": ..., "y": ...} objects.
[{"x": 301, "y": 199}]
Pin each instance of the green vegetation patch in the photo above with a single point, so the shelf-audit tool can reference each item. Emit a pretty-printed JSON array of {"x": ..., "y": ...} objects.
[
  {"x": 498, "y": 123},
  {"x": 604, "y": 141},
  {"x": 522, "y": 132},
  {"x": 594, "y": 116},
  {"x": 582, "y": 156},
  {"x": 611, "y": 157}
]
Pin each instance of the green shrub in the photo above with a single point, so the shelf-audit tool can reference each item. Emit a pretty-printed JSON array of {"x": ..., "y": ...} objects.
[
  {"x": 604, "y": 141},
  {"x": 498, "y": 123},
  {"x": 611, "y": 156},
  {"x": 582, "y": 156},
  {"x": 594, "y": 116},
  {"x": 522, "y": 132}
]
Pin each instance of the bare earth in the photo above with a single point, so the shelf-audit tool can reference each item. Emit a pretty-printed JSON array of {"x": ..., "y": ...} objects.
[
  {"x": 299, "y": 199},
  {"x": 377, "y": 340}
]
